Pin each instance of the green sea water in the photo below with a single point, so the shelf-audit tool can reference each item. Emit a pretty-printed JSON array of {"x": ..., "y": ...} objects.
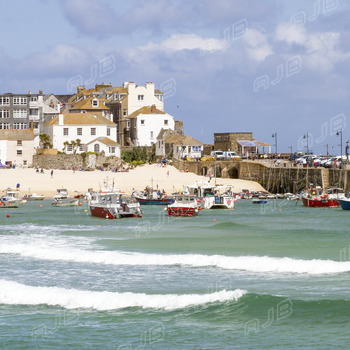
[{"x": 272, "y": 276}]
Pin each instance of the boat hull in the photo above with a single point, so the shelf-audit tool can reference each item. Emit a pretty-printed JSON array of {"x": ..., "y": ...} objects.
[
  {"x": 320, "y": 203},
  {"x": 149, "y": 201},
  {"x": 66, "y": 203},
  {"x": 344, "y": 203},
  {"x": 182, "y": 211},
  {"x": 108, "y": 213}
]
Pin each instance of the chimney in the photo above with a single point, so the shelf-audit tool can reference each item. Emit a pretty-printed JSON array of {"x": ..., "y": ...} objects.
[
  {"x": 153, "y": 109},
  {"x": 60, "y": 119}
]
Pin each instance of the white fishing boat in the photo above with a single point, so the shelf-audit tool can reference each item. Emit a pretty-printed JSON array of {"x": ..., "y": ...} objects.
[
  {"x": 62, "y": 193},
  {"x": 10, "y": 199},
  {"x": 184, "y": 205},
  {"x": 34, "y": 197},
  {"x": 113, "y": 205},
  {"x": 213, "y": 196},
  {"x": 67, "y": 202}
]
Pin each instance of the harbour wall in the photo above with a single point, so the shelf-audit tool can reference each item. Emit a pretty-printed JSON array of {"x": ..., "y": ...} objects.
[{"x": 276, "y": 179}]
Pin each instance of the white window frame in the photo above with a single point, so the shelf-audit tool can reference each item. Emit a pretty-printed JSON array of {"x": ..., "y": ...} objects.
[
  {"x": 4, "y": 113},
  {"x": 4, "y": 126},
  {"x": 19, "y": 113},
  {"x": 140, "y": 97},
  {"x": 4, "y": 101},
  {"x": 65, "y": 131},
  {"x": 93, "y": 131},
  {"x": 108, "y": 131},
  {"x": 19, "y": 100},
  {"x": 79, "y": 131}
]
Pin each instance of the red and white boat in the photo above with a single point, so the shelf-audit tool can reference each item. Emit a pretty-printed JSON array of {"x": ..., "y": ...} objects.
[
  {"x": 316, "y": 197},
  {"x": 184, "y": 205},
  {"x": 112, "y": 205}
]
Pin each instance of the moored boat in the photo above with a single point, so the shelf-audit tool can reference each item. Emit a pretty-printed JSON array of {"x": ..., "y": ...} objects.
[
  {"x": 317, "y": 197},
  {"x": 10, "y": 199},
  {"x": 112, "y": 205},
  {"x": 152, "y": 197},
  {"x": 68, "y": 202},
  {"x": 35, "y": 197},
  {"x": 344, "y": 203},
  {"x": 184, "y": 205}
]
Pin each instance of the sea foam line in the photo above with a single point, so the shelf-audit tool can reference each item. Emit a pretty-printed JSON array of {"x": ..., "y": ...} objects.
[
  {"x": 259, "y": 264},
  {"x": 13, "y": 293}
]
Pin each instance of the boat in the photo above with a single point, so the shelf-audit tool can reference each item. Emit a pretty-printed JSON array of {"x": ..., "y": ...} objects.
[
  {"x": 113, "y": 205},
  {"x": 344, "y": 203},
  {"x": 184, "y": 205},
  {"x": 317, "y": 197},
  {"x": 67, "y": 202},
  {"x": 152, "y": 197},
  {"x": 212, "y": 196},
  {"x": 257, "y": 200},
  {"x": 222, "y": 197},
  {"x": 62, "y": 193},
  {"x": 34, "y": 196},
  {"x": 10, "y": 199}
]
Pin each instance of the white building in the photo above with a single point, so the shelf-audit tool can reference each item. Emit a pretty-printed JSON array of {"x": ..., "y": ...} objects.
[
  {"x": 16, "y": 147},
  {"x": 105, "y": 144},
  {"x": 67, "y": 128},
  {"x": 188, "y": 147},
  {"x": 146, "y": 123}
]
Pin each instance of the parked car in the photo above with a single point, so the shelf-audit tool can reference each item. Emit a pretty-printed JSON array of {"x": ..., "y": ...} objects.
[{"x": 296, "y": 155}]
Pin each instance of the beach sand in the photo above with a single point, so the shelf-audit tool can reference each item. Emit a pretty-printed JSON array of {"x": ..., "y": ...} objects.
[{"x": 136, "y": 179}]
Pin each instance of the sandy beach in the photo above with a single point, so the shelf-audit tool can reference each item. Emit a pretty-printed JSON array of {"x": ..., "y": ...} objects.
[{"x": 81, "y": 181}]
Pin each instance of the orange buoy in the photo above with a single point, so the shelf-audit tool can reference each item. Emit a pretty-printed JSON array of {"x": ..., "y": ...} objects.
[{"x": 8, "y": 215}]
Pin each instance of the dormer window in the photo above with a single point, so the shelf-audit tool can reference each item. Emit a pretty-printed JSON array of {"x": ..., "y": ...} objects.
[{"x": 95, "y": 102}]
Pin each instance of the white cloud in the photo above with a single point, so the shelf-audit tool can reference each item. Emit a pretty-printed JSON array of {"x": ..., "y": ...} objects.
[
  {"x": 257, "y": 46},
  {"x": 291, "y": 33},
  {"x": 178, "y": 42}
]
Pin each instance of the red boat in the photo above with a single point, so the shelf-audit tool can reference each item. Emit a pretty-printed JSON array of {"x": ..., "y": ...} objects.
[
  {"x": 184, "y": 205},
  {"x": 316, "y": 197},
  {"x": 112, "y": 205}
]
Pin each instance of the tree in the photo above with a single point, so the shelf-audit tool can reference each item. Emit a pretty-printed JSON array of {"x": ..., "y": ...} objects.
[{"x": 45, "y": 140}]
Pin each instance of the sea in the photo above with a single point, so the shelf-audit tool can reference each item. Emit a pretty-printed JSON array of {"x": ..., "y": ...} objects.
[{"x": 271, "y": 276}]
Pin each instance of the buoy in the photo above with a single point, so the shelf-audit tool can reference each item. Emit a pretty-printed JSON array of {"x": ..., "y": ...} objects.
[
  {"x": 214, "y": 220},
  {"x": 41, "y": 205},
  {"x": 280, "y": 209},
  {"x": 85, "y": 210},
  {"x": 8, "y": 215},
  {"x": 80, "y": 204}
]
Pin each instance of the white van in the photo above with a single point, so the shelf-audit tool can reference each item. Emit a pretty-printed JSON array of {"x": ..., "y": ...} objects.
[
  {"x": 218, "y": 154},
  {"x": 232, "y": 155}
]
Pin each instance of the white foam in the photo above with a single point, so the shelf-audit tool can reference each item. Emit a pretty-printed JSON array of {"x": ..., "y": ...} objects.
[
  {"x": 13, "y": 293},
  {"x": 260, "y": 264}
]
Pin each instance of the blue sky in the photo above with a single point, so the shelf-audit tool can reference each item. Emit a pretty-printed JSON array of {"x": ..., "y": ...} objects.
[{"x": 264, "y": 66}]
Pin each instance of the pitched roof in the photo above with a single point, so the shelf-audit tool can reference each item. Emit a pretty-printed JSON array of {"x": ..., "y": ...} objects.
[
  {"x": 188, "y": 141},
  {"x": 81, "y": 119},
  {"x": 105, "y": 140},
  {"x": 87, "y": 104},
  {"x": 174, "y": 138},
  {"x": 145, "y": 110},
  {"x": 16, "y": 134}
]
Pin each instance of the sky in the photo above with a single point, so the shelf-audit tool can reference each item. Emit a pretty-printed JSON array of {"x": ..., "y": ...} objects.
[{"x": 271, "y": 67}]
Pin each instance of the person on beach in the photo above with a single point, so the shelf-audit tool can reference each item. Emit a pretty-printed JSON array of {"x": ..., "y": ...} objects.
[
  {"x": 18, "y": 186},
  {"x": 51, "y": 174}
]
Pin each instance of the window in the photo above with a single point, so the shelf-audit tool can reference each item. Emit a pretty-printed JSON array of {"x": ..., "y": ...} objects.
[
  {"x": 128, "y": 124},
  {"x": 95, "y": 103},
  {"x": 4, "y": 113},
  {"x": 125, "y": 111},
  {"x": 20, "y": 100},
  {"x": 4, "y": 101},
  {"x": 81, "y": 147},
  {"x": 151, "y": 134},
  {"x": 108, "y": 131},
  {"x": 140, "y": 97},
  {"x": 69, "y": 148},
  {"x": 19, "y": 152},
  {"x": 111, "y": 150},
  {"x": 165, "y": 122},
  {"x": 19, "y": 142},
  {"x": 65, "y": 131},
  {"x": 33, "y": 99},
  {"x": 142, "y": 122},
  {"x": 93, "y": 131},
  {"x": 4, "y": 125},
  {"x": 97, "y": 148},
  {"x": 24, "y": 162},
  {"x": 20, "y": 113},
  {"x": 79, "y": 131},
  {"x": 20, "y": 125},
  {"x": 34, "y": 111}
]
